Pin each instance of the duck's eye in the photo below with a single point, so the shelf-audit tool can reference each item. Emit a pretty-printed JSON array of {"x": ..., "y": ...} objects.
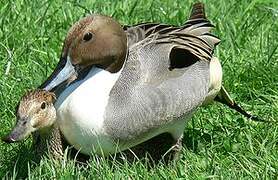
[
  {"x": 43, "y": 105},
  {"x": 88, "y": 36}
]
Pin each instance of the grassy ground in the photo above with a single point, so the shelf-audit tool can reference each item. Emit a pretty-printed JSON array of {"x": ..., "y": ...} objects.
[{"x": 219, "y": 143}]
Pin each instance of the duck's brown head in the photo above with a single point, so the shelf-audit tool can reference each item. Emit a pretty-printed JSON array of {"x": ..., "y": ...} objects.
[
  {"x": 35, "y": 112},
  {"x": 94, "y": 40}
]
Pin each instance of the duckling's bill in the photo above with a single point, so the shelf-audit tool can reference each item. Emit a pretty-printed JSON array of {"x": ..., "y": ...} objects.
[{"x": 22, "y": 130}]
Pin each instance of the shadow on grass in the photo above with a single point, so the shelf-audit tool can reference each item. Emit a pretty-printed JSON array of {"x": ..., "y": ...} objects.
[
  {"x": 192, "y": 138},
  {"x": 149, "y": 152}
]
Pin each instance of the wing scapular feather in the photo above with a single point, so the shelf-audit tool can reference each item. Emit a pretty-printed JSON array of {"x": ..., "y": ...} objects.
[
  {"x": 194, "y": 40},
  {"x": 181, "y": 58},
  {"x": 189, "y": 42}
]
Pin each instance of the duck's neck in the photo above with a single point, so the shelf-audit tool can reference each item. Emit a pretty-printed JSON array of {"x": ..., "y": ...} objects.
[{"x": 49, "y": 140}]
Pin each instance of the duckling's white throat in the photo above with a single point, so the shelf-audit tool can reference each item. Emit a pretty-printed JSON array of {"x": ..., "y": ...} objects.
[{"x": 81, "y": 108}]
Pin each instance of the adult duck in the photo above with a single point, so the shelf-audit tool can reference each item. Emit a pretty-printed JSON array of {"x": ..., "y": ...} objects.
[{"x": 132, "y": 93}]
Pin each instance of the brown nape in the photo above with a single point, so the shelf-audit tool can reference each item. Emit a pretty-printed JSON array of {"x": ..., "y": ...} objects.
[{"x": 96, "y": 40}]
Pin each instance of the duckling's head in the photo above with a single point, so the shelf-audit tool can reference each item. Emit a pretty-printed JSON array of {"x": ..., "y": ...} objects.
[
  {"x": 94, "y": 40},
  {"x": 35, "y": 112}
]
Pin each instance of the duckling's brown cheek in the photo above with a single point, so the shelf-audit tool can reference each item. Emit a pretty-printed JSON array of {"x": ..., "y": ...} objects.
[
  {"x": 35, "y": 123},
  {"x": 40, "y": 120}
]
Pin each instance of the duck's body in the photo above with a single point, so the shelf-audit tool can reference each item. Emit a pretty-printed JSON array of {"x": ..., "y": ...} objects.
[
  {"x": 108, "y": 112},
  {"x": 93, "y": 115}
]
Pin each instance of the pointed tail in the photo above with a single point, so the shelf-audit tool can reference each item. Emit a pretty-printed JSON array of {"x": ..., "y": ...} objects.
[{"x": 224, "y": 98}]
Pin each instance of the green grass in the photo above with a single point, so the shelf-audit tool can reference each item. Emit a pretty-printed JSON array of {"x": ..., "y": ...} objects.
[{"x": 219, "y": 143}]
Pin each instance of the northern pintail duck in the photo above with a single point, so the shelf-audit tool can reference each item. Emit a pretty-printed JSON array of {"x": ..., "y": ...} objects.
[{"x": 117, "y": 88}]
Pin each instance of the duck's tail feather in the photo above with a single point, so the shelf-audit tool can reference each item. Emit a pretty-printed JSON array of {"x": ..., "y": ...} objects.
[
  {"x": 198, "y": 11},
  {"x": 224, "y": 98}
]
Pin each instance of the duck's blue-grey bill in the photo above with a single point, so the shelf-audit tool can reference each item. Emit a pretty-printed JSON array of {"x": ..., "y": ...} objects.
[{"x": 65, "y": 73}]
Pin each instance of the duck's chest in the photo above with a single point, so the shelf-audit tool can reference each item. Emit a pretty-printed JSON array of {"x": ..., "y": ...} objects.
[{"x": 81, "y": 108}]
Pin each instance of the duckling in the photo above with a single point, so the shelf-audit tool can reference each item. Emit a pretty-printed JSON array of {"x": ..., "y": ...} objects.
[{"x": 36, "y": 113}]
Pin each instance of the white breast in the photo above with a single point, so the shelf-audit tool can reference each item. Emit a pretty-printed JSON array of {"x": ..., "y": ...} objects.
[{"x": 80, "y": 111}]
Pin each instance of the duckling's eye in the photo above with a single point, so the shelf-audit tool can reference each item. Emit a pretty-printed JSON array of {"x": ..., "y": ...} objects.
[
  {"x": 43, "y": 105},
  {"x": 24, "y": 123},
  {"x": 88, "y": 36}
]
